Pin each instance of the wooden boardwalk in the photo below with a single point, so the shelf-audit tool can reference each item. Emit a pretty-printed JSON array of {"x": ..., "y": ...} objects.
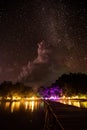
[{"x": 69, "y": 117}]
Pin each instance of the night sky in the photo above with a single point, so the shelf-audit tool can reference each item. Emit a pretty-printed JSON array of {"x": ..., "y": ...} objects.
[{"x": 42, "y": 39}]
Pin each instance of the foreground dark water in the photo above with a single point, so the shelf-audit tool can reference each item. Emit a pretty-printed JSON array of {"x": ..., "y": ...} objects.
[{"x": 26, "y": 115}]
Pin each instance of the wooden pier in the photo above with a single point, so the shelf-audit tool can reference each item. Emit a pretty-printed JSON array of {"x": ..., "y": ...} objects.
[{"x": 64, "y": 117}]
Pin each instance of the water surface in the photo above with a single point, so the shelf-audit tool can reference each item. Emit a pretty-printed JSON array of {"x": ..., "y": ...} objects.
[{"x": 21, "y": 115}]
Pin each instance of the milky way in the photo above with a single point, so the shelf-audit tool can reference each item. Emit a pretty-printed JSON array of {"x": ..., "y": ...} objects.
[{"x": 40, "y": 40}]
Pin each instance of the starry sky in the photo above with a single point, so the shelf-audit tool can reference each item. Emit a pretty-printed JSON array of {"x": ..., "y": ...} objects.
[{"x": 40, "y": 40}]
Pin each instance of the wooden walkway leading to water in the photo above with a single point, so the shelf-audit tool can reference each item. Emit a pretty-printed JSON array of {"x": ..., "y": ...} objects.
[{"x": 67, "y": 117}]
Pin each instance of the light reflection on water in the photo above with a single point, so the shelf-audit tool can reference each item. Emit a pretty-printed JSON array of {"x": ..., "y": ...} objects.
[
  {"x": 18, "y": 105},
  {"x": 77, "y": 103}
]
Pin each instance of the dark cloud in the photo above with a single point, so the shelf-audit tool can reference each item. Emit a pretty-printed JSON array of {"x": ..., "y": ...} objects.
[
  {"x": 38, "y": 69},
  {"x": 0, "y": 69}
]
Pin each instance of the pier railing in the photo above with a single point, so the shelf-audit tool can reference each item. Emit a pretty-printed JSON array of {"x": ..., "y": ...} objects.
[{"x": 51, "y": 120}]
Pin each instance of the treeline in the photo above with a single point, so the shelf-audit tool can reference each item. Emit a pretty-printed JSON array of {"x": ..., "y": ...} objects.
[
  {"x": 68, "y": 85},
  {"x": 73, "y": 83},
  {"x": 9, "y": 89}
]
